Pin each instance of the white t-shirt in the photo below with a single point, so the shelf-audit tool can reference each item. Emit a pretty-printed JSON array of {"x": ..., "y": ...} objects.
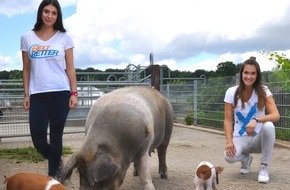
[
  {"x": 243, "y": 116},
  {"x": 47, "y": 61}
]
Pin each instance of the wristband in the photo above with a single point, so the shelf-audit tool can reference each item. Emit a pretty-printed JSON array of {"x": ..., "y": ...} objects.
[
  {"x": 256, "y": 119},
  {"x": 74, "y": 94},
  {"x": 26, "y": 95}
]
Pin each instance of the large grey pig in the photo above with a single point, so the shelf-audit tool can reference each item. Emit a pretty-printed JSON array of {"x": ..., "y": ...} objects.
[{"x": 123, "y": 126}]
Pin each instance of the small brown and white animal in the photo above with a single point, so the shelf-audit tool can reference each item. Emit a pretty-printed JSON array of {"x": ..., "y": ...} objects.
[
  {"x": 122, "y": 127},
  {"x": 206, "y": 176},
  {"x": 31, "y": 181}
]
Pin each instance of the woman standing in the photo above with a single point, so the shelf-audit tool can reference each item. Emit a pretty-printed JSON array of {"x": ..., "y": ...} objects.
[
  {"x": 254, "y": 131},
  {"x": 49, "y": 81}
]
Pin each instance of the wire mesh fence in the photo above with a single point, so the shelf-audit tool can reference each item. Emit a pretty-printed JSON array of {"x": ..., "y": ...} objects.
[
  {"x": 195, "y": 101},
  {"x": 201, "y": 102}
]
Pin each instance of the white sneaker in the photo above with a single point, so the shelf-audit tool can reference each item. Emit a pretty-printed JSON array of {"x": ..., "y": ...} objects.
[
  {"x": 246, "y": 164},
  {"x": 263, "y": 174}
]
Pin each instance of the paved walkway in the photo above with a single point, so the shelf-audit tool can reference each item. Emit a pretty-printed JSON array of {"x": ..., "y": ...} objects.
[{"x": 188, "y": 146}]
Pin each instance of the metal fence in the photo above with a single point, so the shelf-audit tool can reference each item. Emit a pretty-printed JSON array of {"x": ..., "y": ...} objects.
[
  {"x": 195, "y": 100},
  {"x": 201, "y": 102}
]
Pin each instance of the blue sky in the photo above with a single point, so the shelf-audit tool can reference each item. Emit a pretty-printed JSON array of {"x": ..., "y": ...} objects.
[
  {"x": 15, "y": 26},
  {"x": 184, "y": 35}
]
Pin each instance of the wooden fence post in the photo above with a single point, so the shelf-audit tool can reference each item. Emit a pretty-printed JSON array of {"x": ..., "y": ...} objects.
[{"x": 155, "y": 77}]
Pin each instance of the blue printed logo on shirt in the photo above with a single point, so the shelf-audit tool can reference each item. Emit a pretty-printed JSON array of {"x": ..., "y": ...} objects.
[
  {"x": 246, "y": 120},
  {"x": 39, "y": 51}
]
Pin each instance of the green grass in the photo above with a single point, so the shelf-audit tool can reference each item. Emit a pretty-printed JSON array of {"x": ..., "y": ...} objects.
[{"x": 26, "y": 154}]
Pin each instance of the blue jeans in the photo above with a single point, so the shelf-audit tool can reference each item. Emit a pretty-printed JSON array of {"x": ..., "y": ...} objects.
[{"x": 49, "y": 109}]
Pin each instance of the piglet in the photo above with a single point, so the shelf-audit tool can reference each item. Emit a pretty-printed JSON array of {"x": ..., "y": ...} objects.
[
  {"x": 206, "y": 176},
  {"x": 32, "y": 181}
]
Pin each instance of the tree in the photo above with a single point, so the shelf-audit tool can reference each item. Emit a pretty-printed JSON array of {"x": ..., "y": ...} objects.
[
  {"x": 225, "y": 69},
  {"x": 15, "y": 74},
  {"x": 282, "y": 61},
  {"x": 283, "y": 65},
  {"x": 283, "y": 76},
  {"x": 199, "y": 73},
  {"x": 4, "y": 75}
]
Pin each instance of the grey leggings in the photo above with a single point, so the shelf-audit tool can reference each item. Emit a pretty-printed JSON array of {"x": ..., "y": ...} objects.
[{"x": 262, "y": 143}]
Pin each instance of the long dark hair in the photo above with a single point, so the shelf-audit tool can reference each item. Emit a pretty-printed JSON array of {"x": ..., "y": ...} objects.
[
  {"x": 257, "y": 85},
  {"x": 58, "y": 25}
]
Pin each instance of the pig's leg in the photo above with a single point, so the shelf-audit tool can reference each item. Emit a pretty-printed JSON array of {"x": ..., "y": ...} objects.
[
  {"x": 163, "y": 148},
  {"x": 198, "y": 183},
  {"x": 199, "y": 187},
  {"x": 162, "y": 160},
  {"x": 209, "y": 184},
  {"x": 214, "y": 187},
  {"x": 135, "y": 172},
  {"x": 143, "y": 168},
  {"x": 213, "y": 179}
]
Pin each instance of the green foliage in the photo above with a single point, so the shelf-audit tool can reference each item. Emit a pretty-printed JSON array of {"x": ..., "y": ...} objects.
[
  {"x": 283, "y": 134},
  {"x": 189, "y": 118},
  {"x": 210, "y": 95},
  {"x": 26, "y": 154},
  {"x": 211, "y": 119},
  {"x": 15, "y": 74},
  {"x": 223, "y": 69},
  {"x": 4, "y": 75},
  {"x": 283, "y": 65},
  {"x": 176, "y": 81},
  {"x": 282, "y": 60},
  {"x": 227, "y": 68}
]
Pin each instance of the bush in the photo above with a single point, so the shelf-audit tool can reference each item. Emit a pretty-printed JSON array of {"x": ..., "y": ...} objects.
[
  {"x": 188, "y": 120},
  {"x": 283, "y": 134}
]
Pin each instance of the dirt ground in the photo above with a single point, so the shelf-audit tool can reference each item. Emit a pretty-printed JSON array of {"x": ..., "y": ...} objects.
[{"x": 189, "y": 145}]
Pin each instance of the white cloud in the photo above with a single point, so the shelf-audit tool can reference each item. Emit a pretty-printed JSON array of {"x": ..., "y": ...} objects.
[
  {"x": 5, "y": 62},
  {"x": 185, "y": 35},
  {"x": 15, "y": 7},
  {"x": 109, "y": 31}
]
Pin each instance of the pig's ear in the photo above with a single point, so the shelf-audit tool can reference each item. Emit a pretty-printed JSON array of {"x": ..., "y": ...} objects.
[
  {"x": 103, "y": 168},
  {"x": 68, "y": 167},
  {"x": 219, "y": 169}
]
